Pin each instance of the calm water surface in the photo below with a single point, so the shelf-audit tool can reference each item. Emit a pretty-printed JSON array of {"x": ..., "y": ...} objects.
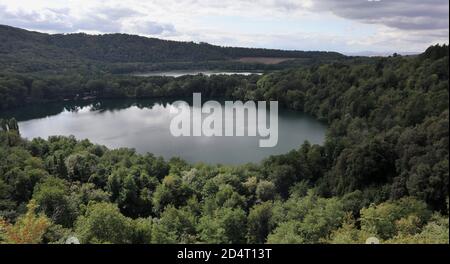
[
  {"x": 192, "y": 72},
  {"x": 144, "y": 126}
]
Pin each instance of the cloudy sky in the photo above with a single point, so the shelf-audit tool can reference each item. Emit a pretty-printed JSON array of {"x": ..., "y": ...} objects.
[{"x": 348, "y": 26}]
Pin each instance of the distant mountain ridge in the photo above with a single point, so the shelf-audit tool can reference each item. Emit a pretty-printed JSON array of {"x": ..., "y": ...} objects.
[{"x": 19, "y": 46}]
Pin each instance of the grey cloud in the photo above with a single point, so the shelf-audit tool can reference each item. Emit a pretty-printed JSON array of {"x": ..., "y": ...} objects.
[
  {"x": 103, "y": 19},
  {"x": 286, "y": 6},
  {"x": 400, "y": 14},
  {"x": 53, "y": 20},
  {"x": 154, "y": 28},
  {"x": 116, "y": 13},
  {"x": 98, "y": 21},
  {"x": 110, "y": 19}
]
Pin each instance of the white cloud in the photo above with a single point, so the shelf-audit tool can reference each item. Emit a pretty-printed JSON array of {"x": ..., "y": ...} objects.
[{"x": 98, "y": 18}]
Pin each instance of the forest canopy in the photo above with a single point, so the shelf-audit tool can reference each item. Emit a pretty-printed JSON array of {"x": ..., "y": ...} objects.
[
  {"x": 23, "y": 51},
  {"x": 382, "y": 171}
]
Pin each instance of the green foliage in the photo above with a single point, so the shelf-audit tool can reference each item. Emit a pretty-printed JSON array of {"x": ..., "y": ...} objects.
[
  {"x": 103, "y": 223},
  {"x": 406, "y": 221},
  {"x": 80, "y": 166},
  {"x": 260, "y": 223},
  {"x": 223, "y": 226},
  {"x": 283, "y": 177},
  {"x": 307, "y": 220},
  {"x": 175, "y": 226},
  {"x": 385, "y": 220},
  {"x": 122, "y": 53},
  {"x": 434, "y": 232},
  {"x": 383, "y": 170},
  {"x": 28, "y": 229},
  {"x": 171, "y": 191},
  {"x": 51, "y": 197},
  {"x": 388, "y": 125},
  {"x": 348, "y": 233},
  {"x": 265, "y": 190},
  {"x": 142, "y": 231}
]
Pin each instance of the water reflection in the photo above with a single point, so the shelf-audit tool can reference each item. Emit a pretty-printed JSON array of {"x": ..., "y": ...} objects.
[
  {"x": 144, "y": 125},
  {"x": 191, "y": 72}
]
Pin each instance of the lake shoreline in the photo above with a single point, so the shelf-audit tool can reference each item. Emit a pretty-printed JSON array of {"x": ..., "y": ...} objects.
[{"x": 143, "y": 125}]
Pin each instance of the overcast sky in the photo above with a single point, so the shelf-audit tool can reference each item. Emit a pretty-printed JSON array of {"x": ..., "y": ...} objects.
[{"x": 339, "y": 25}]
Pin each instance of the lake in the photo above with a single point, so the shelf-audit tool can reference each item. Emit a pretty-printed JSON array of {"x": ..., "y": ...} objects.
[
  {"x": 144, "y": 126},
  {"x": 192, "y": 72}
]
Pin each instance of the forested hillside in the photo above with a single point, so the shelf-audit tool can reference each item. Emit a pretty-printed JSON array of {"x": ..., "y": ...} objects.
[
  {"x": 25, "y": 51},
  {"x": 383, "y": 170}
]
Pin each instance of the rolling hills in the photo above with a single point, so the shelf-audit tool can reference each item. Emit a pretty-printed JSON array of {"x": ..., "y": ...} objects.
[{"x": 28, "y": 51}]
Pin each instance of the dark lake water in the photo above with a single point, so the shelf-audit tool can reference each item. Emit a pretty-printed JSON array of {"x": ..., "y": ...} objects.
[{"x": 144, "y": 126}]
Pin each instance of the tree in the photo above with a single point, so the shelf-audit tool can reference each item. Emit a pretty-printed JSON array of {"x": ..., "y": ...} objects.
[
  {"x": 226, "y": 196},
  {"x": 28, "y": 229},
  {"x": 175, "y": 226},
  {"x": 368, "y": 164},
  {"x": 103, "y": 223},
  {"x": 265, "y": 190},
  {"x": 387, "y": 219},
  {"x": 348, "y": 233},
  {"x": 55, "y": 164},
  {"x": 307, "y": 220},
  {"x": 434, "y": 232},
  {"x": 80, "y": 166},
  {"x": 12, "y": 125},
  {"x": 142, "y": 231},
  {"x": 3, "y": 124},
  {"x": 171, "y": 191},
  {"x": 51, "y": 196},
  {"x": 129, "y": 197},
  {"x": 260, "y": 223},
  {"x": 224, "y": 226},
  {"x": 283, "y": 176}
]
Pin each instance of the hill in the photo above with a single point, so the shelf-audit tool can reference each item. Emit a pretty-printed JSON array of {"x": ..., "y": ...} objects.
[{"x": 27, "y": 51}]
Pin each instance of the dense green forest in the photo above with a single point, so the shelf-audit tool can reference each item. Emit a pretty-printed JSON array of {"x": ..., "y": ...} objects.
[
  {"x": 15, "y": 90},
  {"x": 23, "y": 51},
  {"x": 383, "y": 170}
]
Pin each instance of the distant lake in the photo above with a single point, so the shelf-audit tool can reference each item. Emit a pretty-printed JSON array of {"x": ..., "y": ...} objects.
[
  {"x": 192, "y": 72},
  {"x": 144, "y": 126}
]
